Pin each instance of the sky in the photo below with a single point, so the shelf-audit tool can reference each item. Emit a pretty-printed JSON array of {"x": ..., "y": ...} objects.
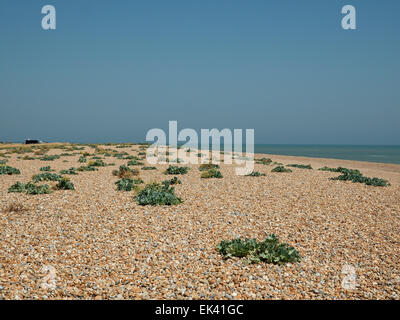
[{"x": 112, "y": 70}]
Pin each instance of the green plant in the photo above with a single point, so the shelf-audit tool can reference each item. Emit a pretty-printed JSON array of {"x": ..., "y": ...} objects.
[
  {"x": 71, "y": 171},
  {"x": 157, "y": 194},
  {"x": 172, "y": 181},
  {"x": 50, "y": 158},
  {"x": 96, "y": 163},
  {"x": 356, "y": 176},
  {"x": 65, "y": 184},
  {"x": 125, "y": 172},
  {"x": 17, "y": 187},
  {"x": 45, "y": 169},
  {"x": 208, "y": 166},
  {"x": 280, "y": 169},
  {"x": 212, "y": 173},
  {"x": 135, "y": 163},
  {"x": 176, "y": 170},
  {"x": 87, "y": 168},
  {"x": 264, "y": 161},
  {"x": 300, "y": 166},
  {"x": 3, "y": 161},
  {"x": 46, "y": 176},
  {"x": 128, "y": 184},
  {"x": 255, "y": 174},
  {"x": 34, "y": 189},
  {"x": 149, "y": 168},
  {"x": 82, "y": 159},
  {"x": 8, "y": 170},
  {"x": 270, "y": 250}
]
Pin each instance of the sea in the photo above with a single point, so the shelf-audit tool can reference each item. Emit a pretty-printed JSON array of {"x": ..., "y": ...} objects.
[{"x": 384, "y": 154}]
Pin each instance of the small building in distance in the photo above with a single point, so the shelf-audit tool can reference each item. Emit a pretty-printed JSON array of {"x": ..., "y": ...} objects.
[{"x": 32, "y": 141}]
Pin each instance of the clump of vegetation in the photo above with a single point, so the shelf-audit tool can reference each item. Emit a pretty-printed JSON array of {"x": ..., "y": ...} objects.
[
  {"x": 8, "y": 170},
  {"x": 15, "y": 208},
  {"x": 255, "y": 174},
  {"x": 71, "y": 171},
  {"x": 208, "y": 166},
  {"x": 87, "y": 168},
  {"x": 128, "y": 184},
  {"x": 46, "y": 176},
  {"x": 125, "y": 172},
  {"x": 96, "y": 163},
  {"x": 212, "y": 173},
  {"x": 34, "y": 189},
  {"x": 356, "y": 176},
  {"x": 300, "y": 166},
  {"x": 172, "y": 181},
  {"x": 50, "y": 158},
  {"x": 3, "y": 161},
  {"x": 17, "y": 187},
  {"x": 177, "y": 170},
  {"x": 28, "y": 158},
  {"x": 280, "y": 169},
  {"x": 157, "y": 194},
  {"x": 65, "y": 184},
  {"x": 135, "y": 162},
  {"x": 270, "y": 250},
  {"x": 149, "y": 168},
  {"x": 82, "y": 159},
  {"x": 264, "y": 161},
  {"x": 45, "y": 169}
]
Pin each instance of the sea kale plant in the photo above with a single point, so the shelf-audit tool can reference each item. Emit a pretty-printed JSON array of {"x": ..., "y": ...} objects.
[
  {"x": 172, "y": 181},
  {"x": 280, "y": 169},
  {"x": 255, "y": 174},
  {"x": 355, "y": 175},
  {"x": 46, "y": 176},
  {"x": 125, "y": 172},
  {"x": 208, "y": 166},
  {"x": 211, "y": 173},
  {"x": 128, "y": 184},
  {"x": 300, "y": 166},
  {"x": 177, "y": 170},
  {"x": 8, "y": 170},
  {"x": 157, "y": 194},
  {"x": 270, "y": 250},
  {"x": 65, "y": 184}
]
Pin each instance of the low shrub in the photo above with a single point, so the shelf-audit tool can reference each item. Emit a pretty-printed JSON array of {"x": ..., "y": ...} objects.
[
  {"x": 270, "y": 250},
  {"x": 50, "y": 158},
  {"x": 208, "y": 166},
  {"x": 45, "y": 169},
  {"x": 264, "y": 161},
  {"x": 87, "y": 168},
  {"x": 128, "y": 184},
  {"x": 255, "y": 174},
  {"x": 149, "y": 168},
  {"x": 125, "y": 172},
  {"x": 65, "y": 184},
  {"x": 33, "y": 189},
  {"x": 82, "y": 159},
  {"x": 46, "y": 176},
  {"x": 8, "y": 170},
  {"x": 71, "y": 171},
  {"x": 157, "y": 194},
  {"x": 280, "y": 169},
  {"x": 17, "y": 187},
  {"x": 357, "y": 177},
  {"x": 172, "y": 181},
  {"x": 135, "y": 163},
  {"x": 212, "y": 173},
  {"x": 300, "y": 166},
  {"x": 176, "y": 170},
  {"x": 96, "y": 163}
]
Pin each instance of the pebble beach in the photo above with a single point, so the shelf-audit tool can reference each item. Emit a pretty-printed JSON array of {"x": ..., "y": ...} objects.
[{"x": 98, "y": 243}]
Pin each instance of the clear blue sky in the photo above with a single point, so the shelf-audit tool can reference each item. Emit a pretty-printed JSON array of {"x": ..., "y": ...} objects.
[{"x": 114, "y": 69}]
